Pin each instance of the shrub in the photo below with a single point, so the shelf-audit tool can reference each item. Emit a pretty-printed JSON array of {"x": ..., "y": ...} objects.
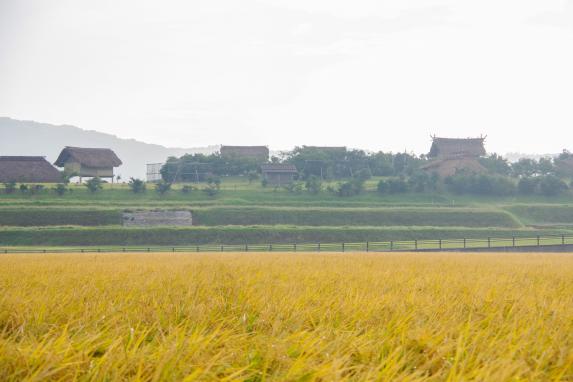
[
  {"x": 363, "y": 174},
  {"x": 162, "y": 187},
  {"x": 383, "y": 187},
  {"x": 294, "y": 187},
  {"x": 61, "y": 189},
  {"x": 186, "y": 189},
  {"x": 480, "y": 184},
  {"x": 24, "y": 188},
  {"x": 264, "y": 182},
  {"x": 422, "y": 181},
  {"x": 551, "y": 185},
  {"x": 528, "y": 185},
  {"x": 94, "y": 184},
  {"x": 397, "y": 186},
  {"x": 137, "y": 186},
  {"x": 213, "y": 186},
  {"x": 10, "y": 187},
  {"x": 351, "y": 188},
  {"x": 252, "y": 176},
  {"x": 36, "y": 189},
  {"x": 313, "y": 184}
]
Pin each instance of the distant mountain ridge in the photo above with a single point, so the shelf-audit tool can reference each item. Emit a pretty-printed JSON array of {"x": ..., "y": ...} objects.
[{"x": 42, "y": 139}]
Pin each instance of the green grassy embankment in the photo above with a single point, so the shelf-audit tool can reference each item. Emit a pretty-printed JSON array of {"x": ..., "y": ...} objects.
[
  {"x": 219, "y": 216},
  {"x": 543, "y": 215},
  {"x": 438, "y": 217},
  {"x": 91, "y": 236}
]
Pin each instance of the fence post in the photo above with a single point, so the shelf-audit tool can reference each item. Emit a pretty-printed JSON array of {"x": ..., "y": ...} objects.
[
  {"x": 295, "y": 247},
  {"x": 391, "y": 245},
  {"x": 173, "y": 249},
  {"x": 318, "y": 247},
  {"x": 367, "y": 247},
  {"x": 489, "y": 242},
  {"x": 246, "y": 247},
  {"x": 197, "y": 248},
  {"x": 513, "y": 241},
  {"x": 562, "y": 239},
  {"x": 342, "y": 247},
  {"x": 440, "y": 241},
  {"x": 538, "y": 241},
  {"x": 465, "y": 245},
  {"x": 416, "y": 244},
  {"x": 270, "y": 247}
]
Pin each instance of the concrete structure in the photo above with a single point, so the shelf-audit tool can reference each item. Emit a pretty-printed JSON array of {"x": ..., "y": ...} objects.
[
  {"x": 88, "y": 162},
  {"x": 277, "y": 174},
  {"x": 157, "y": 218},
  {"x": 28, "y": 169}
]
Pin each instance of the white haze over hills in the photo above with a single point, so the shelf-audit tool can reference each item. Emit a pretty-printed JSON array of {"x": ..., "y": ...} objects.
[
  {"x": 42, "y": 139},
  {"x": 379, "y": 75}
]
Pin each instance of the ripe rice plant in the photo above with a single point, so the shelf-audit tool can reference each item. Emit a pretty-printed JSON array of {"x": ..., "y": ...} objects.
[{"x": 294, "y": 317}]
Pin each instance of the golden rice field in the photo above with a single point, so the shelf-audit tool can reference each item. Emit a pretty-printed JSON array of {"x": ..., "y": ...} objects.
[{"x": 286, "y": 317}]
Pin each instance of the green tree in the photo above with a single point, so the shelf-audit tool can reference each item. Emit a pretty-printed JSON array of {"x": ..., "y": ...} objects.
[
  {"x": 213, "y": 186},
  {"x": 551, "y": 185},
  {"x": 162, "y": 187},
  {"x": 61, "y": 189},
  {"x": 313, "y": 184},
  {"x": 137, "y": 186},
  {"x": 10, "y": 187},
  {"x": 94, "y": 184}
]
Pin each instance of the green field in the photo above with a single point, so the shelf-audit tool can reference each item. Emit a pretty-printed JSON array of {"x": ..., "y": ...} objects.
[{"x": 248, "y": 213}]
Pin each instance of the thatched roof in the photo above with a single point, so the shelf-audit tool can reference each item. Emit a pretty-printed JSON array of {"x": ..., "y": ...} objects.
[
  {"x": 28, "y": 169},
  {"x": 244, "y": 150},
  {"x": 279, "y": 167},
  {"x": 326, "y": 148},
  {"x": 456, "y": 147},
  {"x": 89, "y": 157},
  {"x": 450, "y": 166}
]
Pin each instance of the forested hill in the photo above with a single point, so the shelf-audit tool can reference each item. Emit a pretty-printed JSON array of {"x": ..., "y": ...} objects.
[{"x": 33, "y": 138}]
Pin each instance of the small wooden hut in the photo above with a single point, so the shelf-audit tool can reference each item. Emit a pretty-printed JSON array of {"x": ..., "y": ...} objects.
[
  {"x": 278, "y": 174},
  {"x": 28, "y": 169},
  {"x": 451, "y": 155},
  {"x": 88, "y": 162},
  {"x": 258, "y": 153}
]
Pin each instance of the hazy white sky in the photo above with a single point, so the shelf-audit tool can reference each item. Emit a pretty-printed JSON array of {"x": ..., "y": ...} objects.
[{"x": 373, "y": 74}]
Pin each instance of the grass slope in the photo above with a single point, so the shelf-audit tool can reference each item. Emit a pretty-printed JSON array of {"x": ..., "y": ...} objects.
[
  {"x": 93, "y": 236},
  {"x": 454, "y": 217}
]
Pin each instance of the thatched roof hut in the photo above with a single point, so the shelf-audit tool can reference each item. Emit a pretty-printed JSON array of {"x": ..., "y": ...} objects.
[
  {"x": 88, "y": 162},
  {"x": 259, "y": 153},
  {"x": 28, "y": 169},
  {"x": 452, "y": 155},
  {"x": 450, "y": 166}
]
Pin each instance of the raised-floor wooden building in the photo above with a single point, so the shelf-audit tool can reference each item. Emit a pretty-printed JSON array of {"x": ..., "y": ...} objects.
[
  {"x": 88, "y": 162},
  {"x": 451, "y": 155},
  {"x": 279, "y": 174},
  {"x": 28, "y": 169}
]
